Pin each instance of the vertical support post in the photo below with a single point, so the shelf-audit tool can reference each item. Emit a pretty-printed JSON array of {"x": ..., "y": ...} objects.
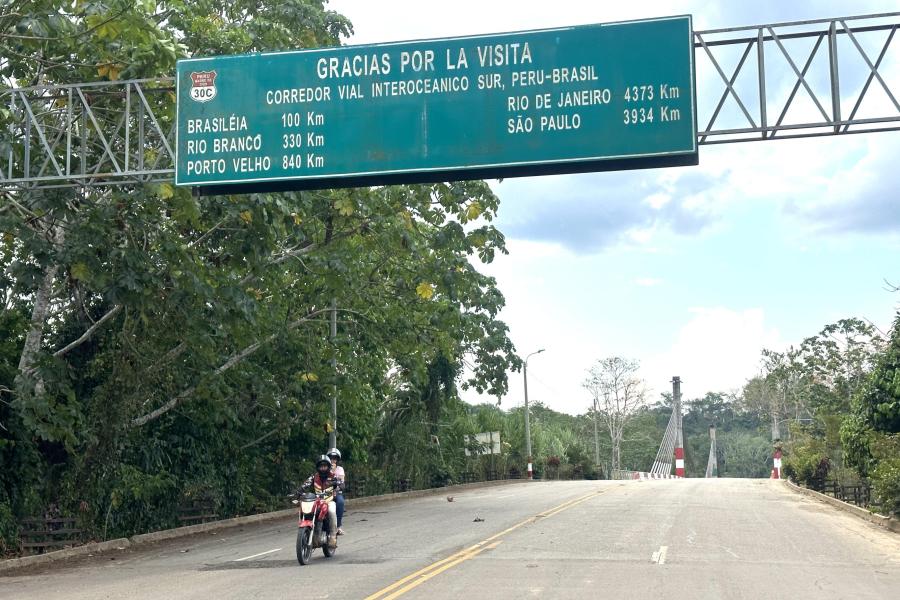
[
  {"x": 596, "y": 441},
  {"x": 69, "y": 125},
  {"x": 835, "y": 79},
  {"x": 776, "y": 463},
  {"x": 332, "y": 435},
  {"x": 141, "y": 141},
  {"x": 679, "y": 437},
  {"x": 12, "y": 111},
  {"x": 761, "y": 72},
  {"x": 530, "y": 467},
  {"x": 27, "y": 135},
  {"x": 84, "y": 134},
  {"x": 127, "y": 125}
]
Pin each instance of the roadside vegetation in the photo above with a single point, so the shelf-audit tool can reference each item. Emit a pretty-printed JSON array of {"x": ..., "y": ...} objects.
[{"x": 834, "y": 402}]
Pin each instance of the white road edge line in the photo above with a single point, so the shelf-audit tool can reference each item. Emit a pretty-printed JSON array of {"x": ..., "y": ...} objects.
[
  {"x": 659, "y": 557},
  {"x": 255, "y": 555}
]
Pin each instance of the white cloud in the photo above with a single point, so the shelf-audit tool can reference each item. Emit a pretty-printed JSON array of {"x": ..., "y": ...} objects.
[
  {"x": 641, "y": 236},
  {"x": 716, "y": 350},
  {"x": 648, "y": 281},
  {"x": 658, "y": 200}
]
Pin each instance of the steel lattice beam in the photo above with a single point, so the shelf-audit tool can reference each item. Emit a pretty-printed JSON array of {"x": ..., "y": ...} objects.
[
  {"x": 120, "y": 133},
  {"x": 779, "y": 50},
  {"x": 89, "y": 134}
]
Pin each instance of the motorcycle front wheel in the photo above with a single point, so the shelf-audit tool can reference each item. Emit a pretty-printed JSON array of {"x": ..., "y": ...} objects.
[
  {"x": 304, "y": 545},
  {"x": 328, "y": 550}
]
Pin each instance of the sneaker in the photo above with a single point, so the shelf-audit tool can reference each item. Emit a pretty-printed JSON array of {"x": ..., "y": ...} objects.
[{"x": 340, "y": 531}]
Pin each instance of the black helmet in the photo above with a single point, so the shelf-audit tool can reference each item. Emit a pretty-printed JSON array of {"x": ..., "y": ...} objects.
[
  {"x": 323, "y": 461},
  {"x": 334, "y": 453}
]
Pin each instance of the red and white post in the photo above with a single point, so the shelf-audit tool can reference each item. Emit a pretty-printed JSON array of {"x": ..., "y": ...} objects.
[
  {"x": 776, "y": 464},
  {"x": 679, "y": 462},
  {"x": 679, "y": 440},
  {"x": 530, "y": 469}
]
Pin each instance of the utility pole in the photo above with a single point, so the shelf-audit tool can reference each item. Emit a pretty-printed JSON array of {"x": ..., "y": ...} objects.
[
  {"x": 332, "y": 435},
  {"x": 679, "y": 437},
  {"x": 528, "y": 418}
]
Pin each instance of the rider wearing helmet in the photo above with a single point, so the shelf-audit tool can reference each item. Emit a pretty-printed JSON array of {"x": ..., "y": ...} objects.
[
  {"x": 337, "y": 473},
  {"x": 321, "y": 481}
]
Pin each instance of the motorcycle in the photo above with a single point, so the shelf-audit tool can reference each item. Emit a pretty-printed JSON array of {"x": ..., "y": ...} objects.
[{"x": 313, "y": 526}]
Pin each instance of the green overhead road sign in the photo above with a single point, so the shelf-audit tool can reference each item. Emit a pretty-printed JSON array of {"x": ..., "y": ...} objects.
[{"x": 586, "y": 98}]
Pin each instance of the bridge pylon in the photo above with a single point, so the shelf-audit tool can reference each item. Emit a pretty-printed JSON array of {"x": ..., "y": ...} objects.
[{"x": 712, "y": 465}]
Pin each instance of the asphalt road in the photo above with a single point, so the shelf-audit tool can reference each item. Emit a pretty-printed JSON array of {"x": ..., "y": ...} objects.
[{"x": 722, "y": 538}]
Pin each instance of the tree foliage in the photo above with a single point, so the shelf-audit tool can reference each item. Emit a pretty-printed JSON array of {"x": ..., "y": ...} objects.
[
  {"x": 874, "y": 423},
  {"x": 840, "y": 397},
  {"x": 157, "y": 348}
]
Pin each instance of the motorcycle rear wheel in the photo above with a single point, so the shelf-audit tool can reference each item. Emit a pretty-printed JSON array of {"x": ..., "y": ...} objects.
[
  {"x": 328, "y": 550},
  {"x": 304, "y": 545}
]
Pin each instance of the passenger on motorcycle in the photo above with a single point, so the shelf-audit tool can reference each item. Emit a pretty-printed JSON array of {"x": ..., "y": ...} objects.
[
  {"x": 321, "y": 481},
  {"x": 337, "y": 471}
]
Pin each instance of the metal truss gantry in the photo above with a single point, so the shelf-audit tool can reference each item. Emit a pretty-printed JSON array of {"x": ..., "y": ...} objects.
[
  {"x": 809, "y": 78},
  {"x": 772, "y": 96}
]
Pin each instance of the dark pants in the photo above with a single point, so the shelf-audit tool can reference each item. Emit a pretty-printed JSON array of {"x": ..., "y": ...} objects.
[{"x": 339, "y": 502}]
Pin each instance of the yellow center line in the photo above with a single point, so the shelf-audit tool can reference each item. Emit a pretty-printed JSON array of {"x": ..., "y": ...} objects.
[
  {"x": 439, "y": 570},
  {"x": 424, "y": 574}
]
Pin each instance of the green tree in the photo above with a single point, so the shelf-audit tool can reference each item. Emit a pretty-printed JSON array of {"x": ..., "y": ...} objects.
[
  {"x": 876, "y": 408},
  {"x": 618, "y": 395},
  {"x": 158, "y": 347}
]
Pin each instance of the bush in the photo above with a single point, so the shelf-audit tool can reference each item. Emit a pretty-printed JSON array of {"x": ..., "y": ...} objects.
[
  {"x": 856, "y": 438},
  {"x": 805, "y": 458},
  {"x": 142, "y": 502},
  {"x": 9, "y": 530},
  {"x": 886, "y": 486}
]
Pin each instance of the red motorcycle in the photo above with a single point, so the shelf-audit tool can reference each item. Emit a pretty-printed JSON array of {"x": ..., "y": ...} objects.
[{"x": 314, "y": 525}]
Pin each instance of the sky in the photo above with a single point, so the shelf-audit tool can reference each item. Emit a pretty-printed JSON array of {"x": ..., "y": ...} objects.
[{"x": 692, "y": 271}]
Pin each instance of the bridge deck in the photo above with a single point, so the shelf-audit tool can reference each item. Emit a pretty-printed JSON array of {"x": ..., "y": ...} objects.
[{"x": 695, "y": 538}]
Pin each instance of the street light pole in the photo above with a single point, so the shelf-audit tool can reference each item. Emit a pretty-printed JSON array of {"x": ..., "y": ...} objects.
[{"x": 527, "y": 416}]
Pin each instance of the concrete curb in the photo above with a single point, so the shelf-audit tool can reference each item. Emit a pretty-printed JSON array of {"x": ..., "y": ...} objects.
[
  {"x": 888, "y": 523},
  {"x": 58, "y": 555},
  {"x": 167, "y": 534}
]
